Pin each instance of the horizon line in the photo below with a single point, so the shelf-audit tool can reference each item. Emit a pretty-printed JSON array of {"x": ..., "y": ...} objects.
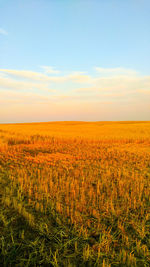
[{"x": 82, "y": 121}]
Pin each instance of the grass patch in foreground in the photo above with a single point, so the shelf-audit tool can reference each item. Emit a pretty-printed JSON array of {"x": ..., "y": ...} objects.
[{"x": 38, "y": 239}]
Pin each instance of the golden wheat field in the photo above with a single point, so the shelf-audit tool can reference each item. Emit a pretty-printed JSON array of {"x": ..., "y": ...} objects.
[{"x": 94, "y": 175}]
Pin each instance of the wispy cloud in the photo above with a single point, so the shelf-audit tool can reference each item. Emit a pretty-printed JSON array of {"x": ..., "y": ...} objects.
[
  {"x": 115, "y": 80},
  {"x": 14, "y": 84},
  {"x": 2, "y": 31},
  {"x": 50, "y": 70},
  {"x": 106, "y": 91},
  {"x": 116, "y": 71},
  {"x": 32, "y": 75},
  {"x": 40, "y": 77}
]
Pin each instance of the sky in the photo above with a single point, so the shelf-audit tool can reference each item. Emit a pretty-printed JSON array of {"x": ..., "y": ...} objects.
[{"x": 86, "y": 60}]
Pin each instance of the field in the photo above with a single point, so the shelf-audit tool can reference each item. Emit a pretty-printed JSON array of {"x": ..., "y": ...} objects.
[{"x": 75, "y": 194}]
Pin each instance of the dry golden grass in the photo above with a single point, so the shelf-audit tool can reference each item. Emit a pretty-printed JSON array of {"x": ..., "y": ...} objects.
[{"x": 94, "y": 175}]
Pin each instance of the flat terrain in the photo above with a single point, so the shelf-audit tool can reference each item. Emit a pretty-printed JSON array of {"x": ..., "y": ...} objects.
[{"x": 75, "y": 194}]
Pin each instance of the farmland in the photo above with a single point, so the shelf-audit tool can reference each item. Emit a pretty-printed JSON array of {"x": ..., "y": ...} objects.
[{"x": 75, "y": 194}]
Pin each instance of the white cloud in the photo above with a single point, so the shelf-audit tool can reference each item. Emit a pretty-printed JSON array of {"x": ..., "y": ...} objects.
[
  {"x": 32, "y": 75},
  {"x": 9, "y": 83},
  {"x": 40, "y": 77},
  {"x": 116, "y": 71},
  {"x": 77, "y": 87},
  {"x": 80, "y": 77},
  {"x": 117, "y": 84},
  {"x": 2, "y": 31},
  {"x": 50, "y": 70}
]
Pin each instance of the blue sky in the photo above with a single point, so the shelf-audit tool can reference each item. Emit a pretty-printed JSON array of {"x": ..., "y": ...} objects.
[{"x": 74, "y": 60}]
